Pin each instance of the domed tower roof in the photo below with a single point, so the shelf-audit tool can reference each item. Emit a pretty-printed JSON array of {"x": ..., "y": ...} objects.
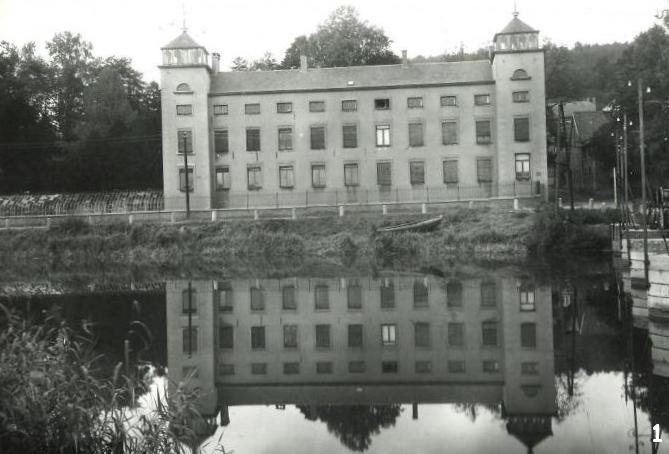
[
  {"x": 516, "y": 36},
  {"x": 516, "y": 26},
  {"x": 183, "y": 41}
]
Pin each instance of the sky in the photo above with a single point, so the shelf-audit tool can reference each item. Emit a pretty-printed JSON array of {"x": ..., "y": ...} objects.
[{"x": 138, "y": 28}]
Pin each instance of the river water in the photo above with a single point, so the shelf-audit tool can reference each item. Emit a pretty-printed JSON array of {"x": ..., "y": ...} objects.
[{"x": 466, "y": 359}]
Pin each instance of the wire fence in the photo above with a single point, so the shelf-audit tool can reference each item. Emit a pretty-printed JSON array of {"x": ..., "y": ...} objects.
[{"x": 80, "y": 203}]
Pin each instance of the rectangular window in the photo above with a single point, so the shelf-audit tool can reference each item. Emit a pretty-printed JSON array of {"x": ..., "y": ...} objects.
[
  {"x": 489, "y": 334},
  {"x": 356, "y": 367},
  {"x": 318, "y": 137},
  {"x": 382, "y": 135},
  {"x": 456, "y": 334},
  {"x": 349, "y": 105},
  {"x": 324, "y": 367},
  {"x": 226, "y": 336},
  {"x": 258, "y": 368},
  {"x": 351, "y": 175},
  {"x": 382, "y": 104},
  {"x": 316, "y": 106},
  {"x": 322, "y": 336},
  {"x": 185, "y": 141},
  {"x": 285, "y": 139},
  {"x": 222, "y": 178},
  {"x": 252, "y": 109},
  {"x": 484, "y": 170},
  {"x": 482, "y": 100},
  {"x": 355, "y": 336},
  {"x": 422, "y": 334},
  {"x": 286, "y": 177},
  {"x": 416, "y": 135},
  {"x": 254, "y": 177},
  {"x": 257, "y": 299},
  {"x": 521, "y": 96},
  {"x": 290, "y": 336},
  {"x": 483, "y": 133},
  {"x": 189, "y": 301},
  {"x": 454, "y": 294},
  {"x": 350, "y": 136},
  {"x": 226, "y": 369},
  {"x": 523, "y": 166},
  {"x": 252, "y": 139},
  {"x": 190, "y": 340},
  {"x": 184, "y": 109},
  {"x": 383, "y": 173},
  {"x": 257, "y": 337},
  {"x": 417, "y": 172},
  {"x": 423, "y": 367},
  {"x": 318, "y": 175},
  {"x": 388, "y": 334},
  {"x": 182, "y": 180},
  {"x": 387, "y": 295},
  {"x": 291, "y": 368},
  {"x": 322, "y": 297},
  {"x": 490, "y": 366},
  {"x": 529, "y": 368},
  {"x": 521, "y": 129},
  {"x": 451, "y": 171},
  {"x": 420, "y": 294},
  {"x": 220, "y": 109},
  {"x": 456, "y": 367},
  {"x": 288, "y": 300},
  {"x": 284, "y": 107},
  {"x": 488, "y": 290},
  {"x": 354, "y": 295},
  {"x": 221, "y": 145},
  {"x": 389, "y": 367},
  {"x": 449, "y": 101},
  {"x": 526, "y": 299},
  {"x": 225, "y": 297},
  {"x": 528, "y": 335},
  {"x": 449, "y": 132},
  {"x": 415, "y": 103}
]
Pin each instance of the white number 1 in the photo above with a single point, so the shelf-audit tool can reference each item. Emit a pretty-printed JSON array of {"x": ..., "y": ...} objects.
[{"x": 656, "y": 432}]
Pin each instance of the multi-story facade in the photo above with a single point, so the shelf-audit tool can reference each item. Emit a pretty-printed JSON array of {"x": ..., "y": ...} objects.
[
  {"x": 405, "y": 132},
  {"x": 367, "y": 340}
]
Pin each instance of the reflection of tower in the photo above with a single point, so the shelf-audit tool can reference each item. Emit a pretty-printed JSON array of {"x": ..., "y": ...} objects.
[
  {"x": 529, "y": 392},
  {"x": 190, "y": 346}
]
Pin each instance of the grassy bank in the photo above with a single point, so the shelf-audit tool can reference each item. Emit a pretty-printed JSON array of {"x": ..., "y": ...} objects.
[{"x": 484, "y": 234}]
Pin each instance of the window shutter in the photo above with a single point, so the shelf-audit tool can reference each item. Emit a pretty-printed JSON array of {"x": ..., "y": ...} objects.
[
  {"x": 484, "y": 170},
  {"x": 417, "y": 170},
  {"x": 350, "y": 133},
  {"x": 449, "y": 132},
  {"x": 383, "y": 174},
  {"x": 450, "y": 172},
  {"x": 521, "y": 129},
  {"x": 415, "y": 134},
  {"x": 318, "y": 138}
]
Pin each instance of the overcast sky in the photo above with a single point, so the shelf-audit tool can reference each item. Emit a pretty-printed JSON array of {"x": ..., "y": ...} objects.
[{"x": 138, "y": 28}]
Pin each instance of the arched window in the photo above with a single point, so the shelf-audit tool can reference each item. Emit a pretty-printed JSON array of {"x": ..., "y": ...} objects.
[
  {"x": 183, "y": 87},
  {"x": 520, "y": 74}
]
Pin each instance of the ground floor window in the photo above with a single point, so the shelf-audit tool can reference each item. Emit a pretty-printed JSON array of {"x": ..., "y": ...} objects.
[
  {"x": 222, "y": 178},
  {"x": 417, "y": 172},
  {"x": 254, "y": 175},
  {"x": 522, "y": 166},
  {"x": 286, "y": 177},
  {"x": 383, "y": 173},
  {"x": 383, "y": 135},
  {"x": 351, "y": 174},
  {"x": 484, "y": 170},
  {"x": 318, "y": 175}
]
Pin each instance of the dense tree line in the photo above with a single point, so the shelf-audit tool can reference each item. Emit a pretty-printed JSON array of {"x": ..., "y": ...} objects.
[{"x": 74, "y": 121}]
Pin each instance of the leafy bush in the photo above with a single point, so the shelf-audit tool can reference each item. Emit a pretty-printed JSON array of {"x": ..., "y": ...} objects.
[{"x": 71, "y": 226}]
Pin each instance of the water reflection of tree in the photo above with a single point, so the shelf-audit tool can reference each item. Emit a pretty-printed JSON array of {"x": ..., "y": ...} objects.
[
  {"x": 568, "y": 395},
  {"x": 472, "y": 410},
  {"x": 353, "y": 424}
]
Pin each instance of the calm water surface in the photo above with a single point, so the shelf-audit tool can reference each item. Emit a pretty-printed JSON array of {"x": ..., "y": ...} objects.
[{"x": 460, "y": 360}]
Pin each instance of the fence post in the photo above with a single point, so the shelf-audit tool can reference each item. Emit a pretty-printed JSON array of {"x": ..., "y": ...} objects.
[
  {"x": 6, "y": 223},
  {"x": 172, "y": 217},
  {"x": 256, "y": 215},
  {"x": 293, "y": 213},
  {"x": 48, "y": 222},
  {"x": 384, "y": 208},
  {"x": 560, "y": 202},
  {"x": 90, "y": 219},
  {"x": 130, "y": 219},
  {"x": 590, "y": 202},
  {"x": 516, "y": 204},
  {"x": 423, "y": 208},
  {"x": 341, "y": 210},
  {"x": 214, "y": 215}
]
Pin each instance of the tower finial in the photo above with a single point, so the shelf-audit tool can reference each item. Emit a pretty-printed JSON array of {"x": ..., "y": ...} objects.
[
  {"x": 183, "y": 12},
  {"x": 515, "y": 9}
]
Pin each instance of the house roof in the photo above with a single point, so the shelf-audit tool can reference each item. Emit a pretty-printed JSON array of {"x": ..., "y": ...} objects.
[
  {"x": 516, "y": 26},
  {"x": 352, "y": 77},
  {"x": 587, "y": 124},
  {"x": 183, "y": 41}
]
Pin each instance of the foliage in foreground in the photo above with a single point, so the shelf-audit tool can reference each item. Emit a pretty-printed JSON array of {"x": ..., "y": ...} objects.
[{"x": 54, "y": 398}]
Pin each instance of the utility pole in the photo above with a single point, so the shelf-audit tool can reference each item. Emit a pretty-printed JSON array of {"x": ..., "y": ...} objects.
[
  {"x": 567, "y": 147},
  {"x": 624, "y": 164},
  {"x": 557, "y": 167},
  {"x": 642, "y": 146},
  {"x": 184, "y": 136}
]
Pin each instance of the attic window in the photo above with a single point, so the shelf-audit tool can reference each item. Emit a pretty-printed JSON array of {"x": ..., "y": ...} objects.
[
  {"x": 183, "y": 87},
  {"x": 520, "y": 74}
]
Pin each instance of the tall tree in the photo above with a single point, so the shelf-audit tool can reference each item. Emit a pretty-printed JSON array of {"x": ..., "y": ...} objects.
[
  {"x": 240, "y": 64},
  {"x": 342, "y": 40}
]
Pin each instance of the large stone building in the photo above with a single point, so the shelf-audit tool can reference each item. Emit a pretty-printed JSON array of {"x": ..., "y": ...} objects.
[{"x": 405, "y": 132}]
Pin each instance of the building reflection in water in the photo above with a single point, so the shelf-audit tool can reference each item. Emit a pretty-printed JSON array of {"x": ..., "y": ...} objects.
[{"x": 347, "y": 350}]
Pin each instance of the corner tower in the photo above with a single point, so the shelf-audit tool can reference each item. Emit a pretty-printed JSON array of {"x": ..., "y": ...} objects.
[
  {"x": 518, "y": 70},
  {"x": 185, "y": 80}
]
